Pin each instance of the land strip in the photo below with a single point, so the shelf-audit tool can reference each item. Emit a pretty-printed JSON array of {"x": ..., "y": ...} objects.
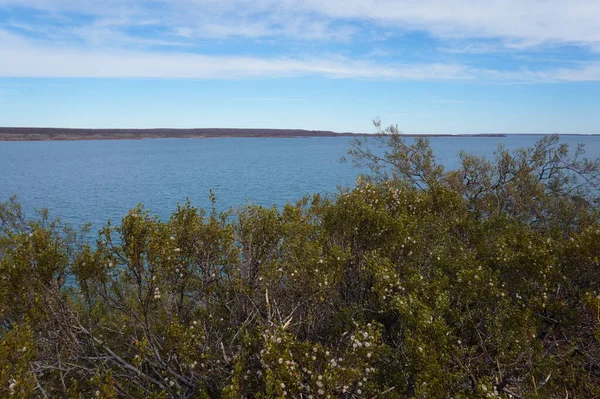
[
  {"x": 58, "y": 134},
  {"x": 41, "y": 134}
]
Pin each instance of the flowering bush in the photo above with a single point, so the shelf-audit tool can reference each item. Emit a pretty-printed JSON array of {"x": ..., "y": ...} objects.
[{"x": 399, "y": 288}]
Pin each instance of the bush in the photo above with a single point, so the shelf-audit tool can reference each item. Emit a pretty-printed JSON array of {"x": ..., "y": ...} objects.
[{"x": 414, "y": 283}]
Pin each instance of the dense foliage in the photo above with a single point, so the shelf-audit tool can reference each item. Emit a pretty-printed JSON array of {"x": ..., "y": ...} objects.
[{"x": 417, "y": 283}]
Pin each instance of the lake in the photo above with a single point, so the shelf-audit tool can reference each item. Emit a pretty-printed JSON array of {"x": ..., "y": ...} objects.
[{"x": 92, "y": 181}]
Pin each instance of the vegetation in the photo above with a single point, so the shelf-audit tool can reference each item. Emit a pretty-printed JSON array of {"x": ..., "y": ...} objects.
[
  {"x": 418, "y": 283},
  {"x": 42, "y": 133}
]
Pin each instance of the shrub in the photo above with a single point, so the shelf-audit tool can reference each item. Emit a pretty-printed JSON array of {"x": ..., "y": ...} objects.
[{"x": 413, "y": 284}]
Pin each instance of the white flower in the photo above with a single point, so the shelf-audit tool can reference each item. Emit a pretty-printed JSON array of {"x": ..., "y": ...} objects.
[
  {"x": 282, "y": 385},
  {"x": 12, "y": 385},
  {"x": 177, "y": 250}
]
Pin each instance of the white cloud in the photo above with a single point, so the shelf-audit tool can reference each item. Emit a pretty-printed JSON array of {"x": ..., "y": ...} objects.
[
  {"x": 191, "y": 19},
  {"x": 523, "y": 23},
  {"x": 587, "y": 73},
  {"x": 8, "y": 39},
  {"x": 519, "y": 24},
  {"x": 35, "y": 61},
  {"x": 61, "y": 62},
  {"x": 105, "y": 43},
  {"x": 473, "y": 48}
]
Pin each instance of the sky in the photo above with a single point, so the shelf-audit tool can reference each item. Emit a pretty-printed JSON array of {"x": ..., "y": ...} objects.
[{"x": 428, "y": 66}]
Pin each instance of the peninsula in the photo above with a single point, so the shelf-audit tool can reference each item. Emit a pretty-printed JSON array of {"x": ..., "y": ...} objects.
[
  {"x": 41, "y": 134},
  {"x": 44, "y": 134}
]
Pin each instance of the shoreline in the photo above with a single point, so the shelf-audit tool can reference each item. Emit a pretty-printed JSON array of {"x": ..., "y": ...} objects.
[{"x": 59, "y": 134}]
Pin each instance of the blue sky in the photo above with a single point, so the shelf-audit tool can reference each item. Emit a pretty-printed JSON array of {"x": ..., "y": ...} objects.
[{"x": 430, "y": 66}]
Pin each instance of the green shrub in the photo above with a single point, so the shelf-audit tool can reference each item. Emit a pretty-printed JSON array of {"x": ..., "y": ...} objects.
[{"x": 416, "y": 283}]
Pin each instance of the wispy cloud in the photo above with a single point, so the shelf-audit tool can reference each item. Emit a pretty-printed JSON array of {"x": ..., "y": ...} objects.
[
  {"x": 59, "y": 62},
  {"x": 190, "y": 19},
  {"x": 473, "y": 48},
  {"x": 31, "y": 60},
  {"x": 167, "y": 39},
  {"x": 523, "y": 23},
  {"x": 584, "y": 72}
]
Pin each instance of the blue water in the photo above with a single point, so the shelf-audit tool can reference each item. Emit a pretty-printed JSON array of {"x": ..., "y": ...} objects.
[{"x": 92, "y": 181}]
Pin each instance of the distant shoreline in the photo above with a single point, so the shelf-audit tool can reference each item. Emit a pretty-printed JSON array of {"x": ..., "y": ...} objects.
[{"x": 60, "y": 134}]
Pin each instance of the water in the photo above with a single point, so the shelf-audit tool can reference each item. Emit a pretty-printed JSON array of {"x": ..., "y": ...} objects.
[{"x": 92, "y": 181}]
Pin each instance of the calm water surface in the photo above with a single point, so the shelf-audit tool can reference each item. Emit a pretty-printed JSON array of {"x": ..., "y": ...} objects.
[{"x": 92, "y": 181}]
